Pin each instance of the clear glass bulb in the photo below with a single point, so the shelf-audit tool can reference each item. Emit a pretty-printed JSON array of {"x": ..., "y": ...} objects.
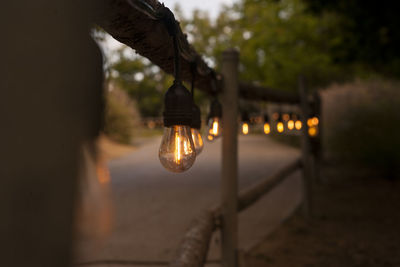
[
  {"x": 245, "y": 128},
  {"x": 298, "y": 125},
  {"x": 197, "y": 141},
  {"x": 267, "y": 128},
  {"x": 280, "y": 127},
  {"x": 215, "y": 127},
  {"x": 177, "y": 151},
  {"x": 290, "y": 124}
]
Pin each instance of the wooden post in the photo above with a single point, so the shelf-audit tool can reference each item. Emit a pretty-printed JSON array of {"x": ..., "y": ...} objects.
[
  {"x": 229, "y": 177},
  {"x": 306, "y": 150},
  {"x": 317, "y": 143}
]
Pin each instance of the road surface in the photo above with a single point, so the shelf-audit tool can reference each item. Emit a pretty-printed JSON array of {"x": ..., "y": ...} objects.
[{"x": 153, "y": 207}]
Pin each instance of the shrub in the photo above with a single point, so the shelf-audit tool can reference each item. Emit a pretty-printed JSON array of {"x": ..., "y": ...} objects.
[
  {"x": 120, "y": 115},
  {"x": 362, "y": 124}
]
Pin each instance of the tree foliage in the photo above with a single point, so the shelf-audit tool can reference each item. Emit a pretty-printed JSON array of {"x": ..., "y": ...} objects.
[
  {"x": 278, "y": 40},
  {"x": 143, "y": 81},
  {"x": 369, "y": 32}
]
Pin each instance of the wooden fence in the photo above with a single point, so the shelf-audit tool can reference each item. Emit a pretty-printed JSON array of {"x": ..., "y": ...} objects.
[
  {"x": 139, "y": 24},
  {"x": 194, "y": 247}
]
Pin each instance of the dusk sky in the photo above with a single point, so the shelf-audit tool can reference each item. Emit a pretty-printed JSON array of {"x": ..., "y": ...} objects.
[{"x": 212, "y": 6}]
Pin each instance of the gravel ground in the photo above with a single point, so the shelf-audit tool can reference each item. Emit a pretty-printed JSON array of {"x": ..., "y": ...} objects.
[{"x": 356, "y": 223}]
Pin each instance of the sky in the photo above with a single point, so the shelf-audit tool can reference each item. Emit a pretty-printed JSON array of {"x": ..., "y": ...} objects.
[{"x": 212, "y": 6}]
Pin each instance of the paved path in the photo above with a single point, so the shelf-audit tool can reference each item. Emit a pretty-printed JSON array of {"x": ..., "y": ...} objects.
[{"x": 153, "y": 207}]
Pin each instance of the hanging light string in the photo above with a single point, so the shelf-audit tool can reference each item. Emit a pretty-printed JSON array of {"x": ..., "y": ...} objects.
[
  {"x": 193, "y": 67},
  {"x": 177, "y": 61},
  {"x": 172, "y": 27}
]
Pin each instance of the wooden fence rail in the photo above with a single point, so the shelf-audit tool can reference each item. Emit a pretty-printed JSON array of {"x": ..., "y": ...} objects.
[
  {"x": 193, "y": 249},
  {"x": 250, "y": 195}
]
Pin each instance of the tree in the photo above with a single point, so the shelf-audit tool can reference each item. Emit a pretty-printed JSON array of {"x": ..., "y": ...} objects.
[
  {"x": 143, "y": 81},
  {"x": 369, "y": 32},
  {"x": 278, "y": 40}
]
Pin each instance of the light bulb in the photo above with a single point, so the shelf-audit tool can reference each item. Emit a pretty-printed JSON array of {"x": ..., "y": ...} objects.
[
  {"x": 245, "y": 128},
  {"x": 267, "y": 128},
  {"x": 313, "y": 131},
  {"x": 285, "y": 117},
  {"x": 290, "y": 124},
  {"x": 309, "y": 123},
  {"x": 298, "y": 125},
  {"x": 197, "y": 141},
  {"x": 210, "y": 137},
  {"x": 280, "y": 127},
  {"x": 215, "y": 127},
  {"x": 315, "y": 121},
  {"x": 177, "y": 152}
]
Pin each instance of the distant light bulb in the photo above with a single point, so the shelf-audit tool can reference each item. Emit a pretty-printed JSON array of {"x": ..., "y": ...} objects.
[
  {"x": 197, "y": 141},
  {"x": 267, "y": 128},
  {"x": 309, "y": 123},
  {"x": 280, "y": 127},
  {"x": 215, "y": 127},
  {"x": 298, "y": 125},
  {"x": 313, "y": 131},
  {"x": 290, "y": 124},
  {"x": 210, "y": 137},
  {"x": 285, "y": 117},
  {"x": 177, "y": 151},
  {"x": 315, "y": 121},
  {"x": 245, "y": 128}
]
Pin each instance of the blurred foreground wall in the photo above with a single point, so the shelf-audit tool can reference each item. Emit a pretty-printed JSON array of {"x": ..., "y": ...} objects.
[{"x": 50, "y": 103}]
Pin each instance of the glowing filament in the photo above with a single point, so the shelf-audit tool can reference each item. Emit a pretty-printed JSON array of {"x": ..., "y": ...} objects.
[
  {"x": 215, "y": 128},
  {"x": 245, "y": 128},
  {"x": 177, "y": 149},
  {"x": 267, "y": 128},
  {"x": 200, "y": 140},
  {"x": 185, "y": 147},
  {"x": 298, "y": 125},
  {"x": 280, "y": 127}
]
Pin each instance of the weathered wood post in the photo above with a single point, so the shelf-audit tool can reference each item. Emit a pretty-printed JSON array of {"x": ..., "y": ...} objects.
[
  {"x": 305, "y": 149},
  {"x": 229, "y": 177},
  {"x": 317, "y": 140}
]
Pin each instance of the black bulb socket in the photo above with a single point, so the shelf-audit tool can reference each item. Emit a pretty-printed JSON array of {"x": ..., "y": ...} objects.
[
  {"x": 215, "y": 109},
  {"x": 245, "y": 117},
  {"x": 196, "y": 117},
  {"x": 178, "y": 106},
  {"x": 280, "y": 117},
  {"x": 266, "y": 118}
]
